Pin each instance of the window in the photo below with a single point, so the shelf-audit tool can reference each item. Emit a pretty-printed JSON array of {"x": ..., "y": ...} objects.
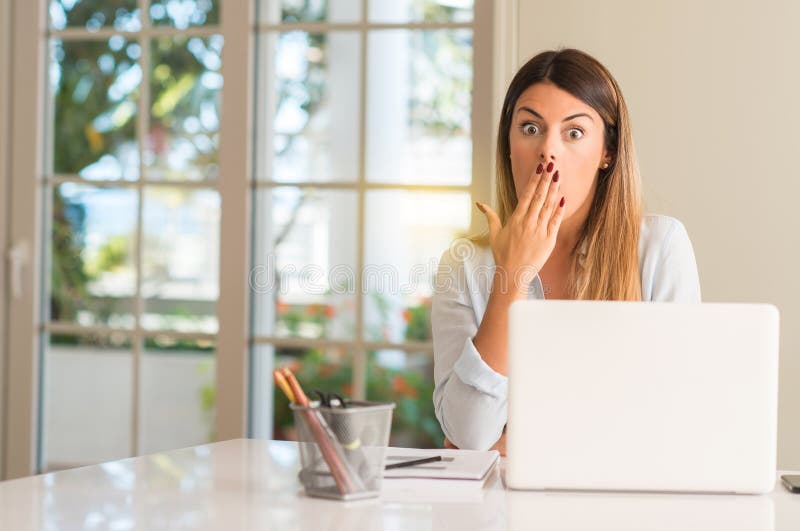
[
  {"x": 365, "y": 168},
  {"x": 131, "y": 228},
  {"x": 182, "y": 237}
]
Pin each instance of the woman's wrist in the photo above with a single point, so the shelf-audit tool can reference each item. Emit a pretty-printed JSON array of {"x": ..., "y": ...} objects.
[{"x": 509, "y": 288}]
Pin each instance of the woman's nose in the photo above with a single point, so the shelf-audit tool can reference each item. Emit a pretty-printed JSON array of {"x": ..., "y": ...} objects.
[
  {"x": 547, "y": 156},
  {"x": 548, "y": 149}
]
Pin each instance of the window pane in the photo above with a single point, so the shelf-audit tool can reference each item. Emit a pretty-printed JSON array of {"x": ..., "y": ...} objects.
[
  {"x": 308, "y": 117},
  {"x": 184, "y": 13},
  {"x": 329, "y": 370},
  {"x": 401, "y": 256},
  {"x": 303, "y": 275},
  {"x": 180, "y": 262},
  {"x": 400, "y": 11},
  {"x": 95, "y": 86},
  {"x": 419, "y": 106},
  {"x": 177, "y": 394},
  {"x": 406, "y": 379},
  {"x": 93, "y": 255},
  {"x": 87, "y": 400},
  {"x": 336, "y": 11},
  {"x": 183, "y": 140},
  {"x": 121, "y": 14}
]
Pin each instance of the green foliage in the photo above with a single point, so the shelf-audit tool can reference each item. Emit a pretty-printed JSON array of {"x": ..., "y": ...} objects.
[
  {"x": 167, "y": 343},
  {"x": 413, "y": 420},
  {"x": 87, "y": 70},
  {"x": 80, "y": 139},
  {"x": 94, "y": 117},
  {"x": 418, "y": 319},
  {"x": 69, "y": 277},
  {"x": 112, "y": 255},
  {"x": 207, "y": 395},
  {"x": 293, "y": 316}
]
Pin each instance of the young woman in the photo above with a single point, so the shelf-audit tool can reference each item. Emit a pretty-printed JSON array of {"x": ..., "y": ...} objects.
[{"x": 568, "y": 225}]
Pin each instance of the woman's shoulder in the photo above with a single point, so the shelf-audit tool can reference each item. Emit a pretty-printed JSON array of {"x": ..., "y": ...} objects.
[
  {"x": 465, "y": 270},
  {"x": 467, "y": 253},
  {"x": 667, "y": 261},
  {"x": 658, "y": 230}
]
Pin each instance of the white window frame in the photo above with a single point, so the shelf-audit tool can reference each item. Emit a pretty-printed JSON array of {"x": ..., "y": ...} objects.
[{"x": 26, "y": 96}]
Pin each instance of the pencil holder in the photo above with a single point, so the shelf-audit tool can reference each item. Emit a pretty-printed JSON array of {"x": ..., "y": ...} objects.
[{"x": 342, "y": 449}]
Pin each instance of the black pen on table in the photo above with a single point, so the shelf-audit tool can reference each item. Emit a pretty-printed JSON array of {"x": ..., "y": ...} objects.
[{"x": 414, "y": 462}]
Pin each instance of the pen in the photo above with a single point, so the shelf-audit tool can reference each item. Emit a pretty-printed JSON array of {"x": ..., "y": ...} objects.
[{"x": 414, "y": 462}]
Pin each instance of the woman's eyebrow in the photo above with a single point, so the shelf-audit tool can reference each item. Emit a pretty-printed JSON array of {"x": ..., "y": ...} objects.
[{"x": 570, "y": 117}]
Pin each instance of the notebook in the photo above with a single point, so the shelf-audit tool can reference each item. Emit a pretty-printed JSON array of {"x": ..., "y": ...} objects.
[
  {"x": 458, "y": 468},
  {"x": 462, "y": 476}
]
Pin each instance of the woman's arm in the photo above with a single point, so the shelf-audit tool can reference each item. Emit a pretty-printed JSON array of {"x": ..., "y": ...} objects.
[
  {"x": 500, "y": 445},
  {"x": 491, "y": 341},
  {"x": 492, "y": 337},
  {"x": 469, "y": 396}
]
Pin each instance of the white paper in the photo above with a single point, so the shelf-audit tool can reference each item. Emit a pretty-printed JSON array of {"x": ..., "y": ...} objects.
[{"x": 469, "y": 465}]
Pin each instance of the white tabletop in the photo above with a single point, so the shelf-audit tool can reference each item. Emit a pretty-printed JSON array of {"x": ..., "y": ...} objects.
[{"x": 251, "y": 484}]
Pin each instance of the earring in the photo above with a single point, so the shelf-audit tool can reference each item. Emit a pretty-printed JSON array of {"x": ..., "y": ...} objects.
[{"x": 605, "y": 166}]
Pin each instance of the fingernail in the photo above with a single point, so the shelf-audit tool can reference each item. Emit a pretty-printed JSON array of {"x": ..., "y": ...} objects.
[
  {"x": 561, "y": 204},
  {"x": 480, "y": 207},
  {"x": 549, "y": 167},
  {"x": 539, "y": 168},
  {"x": 555, "y": 177}
]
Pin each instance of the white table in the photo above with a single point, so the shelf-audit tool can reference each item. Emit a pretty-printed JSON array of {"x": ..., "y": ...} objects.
[{"x": 251, "y": 484}]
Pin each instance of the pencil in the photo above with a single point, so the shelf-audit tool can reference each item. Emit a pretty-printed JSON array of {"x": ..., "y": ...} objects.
[
  {"x": 299, "y": 395},
  {"x": 280, "y": 379}
]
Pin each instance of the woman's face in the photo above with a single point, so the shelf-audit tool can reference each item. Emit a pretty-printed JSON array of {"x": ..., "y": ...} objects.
[{"x": 551, "y": 122}]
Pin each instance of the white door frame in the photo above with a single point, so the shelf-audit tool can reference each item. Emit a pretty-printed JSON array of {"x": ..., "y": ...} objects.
[
  {"x": 27, "y": 91},
  {"x": 5, "y": 61}
]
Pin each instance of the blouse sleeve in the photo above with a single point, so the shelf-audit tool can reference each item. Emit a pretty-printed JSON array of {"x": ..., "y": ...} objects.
[
  {"x": 470, "y": 398},
  {"x": 675, "y": 278}
]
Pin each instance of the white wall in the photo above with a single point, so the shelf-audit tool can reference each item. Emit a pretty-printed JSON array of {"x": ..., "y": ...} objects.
[{"x": 712, "y": 87}]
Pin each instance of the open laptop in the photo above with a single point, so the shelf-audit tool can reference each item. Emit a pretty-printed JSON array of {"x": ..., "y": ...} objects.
[{"x": 642, "y": 396}]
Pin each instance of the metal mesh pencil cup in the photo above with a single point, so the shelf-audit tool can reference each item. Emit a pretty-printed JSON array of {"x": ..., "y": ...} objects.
[{"x": 361, "y": 433}]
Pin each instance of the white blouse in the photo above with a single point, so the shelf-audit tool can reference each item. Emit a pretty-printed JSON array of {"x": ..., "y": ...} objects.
[{"x": 470, "y": 398}]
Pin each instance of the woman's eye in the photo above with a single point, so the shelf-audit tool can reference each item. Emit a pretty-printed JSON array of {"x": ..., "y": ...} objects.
[
  {"x": 575, "y": 134},
  {"x": 529, "y": 129}
]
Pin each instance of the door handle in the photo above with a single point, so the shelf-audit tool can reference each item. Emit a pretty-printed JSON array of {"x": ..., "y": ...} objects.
[{"x": 17, "y": 258}]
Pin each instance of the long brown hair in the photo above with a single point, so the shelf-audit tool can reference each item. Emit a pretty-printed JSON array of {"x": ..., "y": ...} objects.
[{"x": 610, "y": 269}]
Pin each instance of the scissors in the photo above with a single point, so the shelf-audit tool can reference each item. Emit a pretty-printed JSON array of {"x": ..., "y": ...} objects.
[{"x": 326, "y": 399}]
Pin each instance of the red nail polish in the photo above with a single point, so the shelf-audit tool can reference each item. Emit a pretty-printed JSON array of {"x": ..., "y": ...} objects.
[
  {"x": 539, "y": 168},
  {"x": 549, "y": 167},
  {"x": 555, "y": 177},
  {"x": 561, "y": 204}
]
